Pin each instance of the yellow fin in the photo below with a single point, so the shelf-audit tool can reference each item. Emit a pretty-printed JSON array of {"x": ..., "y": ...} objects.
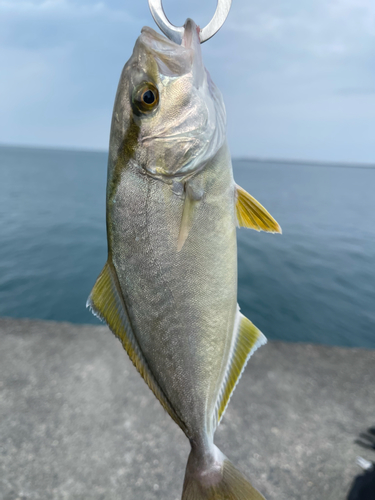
[
  {"x": 222, "y": 482},
  {"x": 107, "y": 303},
  {"x": 250, "y": 213},
  {"x": 247, "y": 339}
]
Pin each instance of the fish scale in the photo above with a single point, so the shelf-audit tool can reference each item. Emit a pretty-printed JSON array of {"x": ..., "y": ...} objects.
[
  {"x": 157, "y": 278},
  {"x": 169, "y": 288}
]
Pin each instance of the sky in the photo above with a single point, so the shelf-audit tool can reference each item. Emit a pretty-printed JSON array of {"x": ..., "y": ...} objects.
[{"x": 298, "y": 77}]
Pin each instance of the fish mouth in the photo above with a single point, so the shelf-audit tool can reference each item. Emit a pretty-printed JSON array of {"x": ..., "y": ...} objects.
[
  {"x": 159, "y": 42},
  {"x": 175, "y": 60},
  {"x": 191, "y": 40}
]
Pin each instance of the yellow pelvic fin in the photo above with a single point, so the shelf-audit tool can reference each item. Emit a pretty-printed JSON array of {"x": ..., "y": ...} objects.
[
  {"x": 247, "y": 339},
  {"x": 107, "y": 303},
  {"x": 250, "y": 213}
]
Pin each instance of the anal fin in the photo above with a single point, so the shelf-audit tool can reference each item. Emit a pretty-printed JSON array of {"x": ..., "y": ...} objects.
[
  {"x": 247, "y": 338},
  {"x": 107, "y": 303}
]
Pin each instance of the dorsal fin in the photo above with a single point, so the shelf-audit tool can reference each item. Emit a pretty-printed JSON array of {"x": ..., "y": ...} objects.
[
  {"x": 246, "y": 340},
  {"x": 250, "y": 213},
  {"x": 107, "y": 303}
]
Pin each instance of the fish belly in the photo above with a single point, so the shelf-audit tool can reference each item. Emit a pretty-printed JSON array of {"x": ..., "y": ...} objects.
[{"x": 181, "y": 305}]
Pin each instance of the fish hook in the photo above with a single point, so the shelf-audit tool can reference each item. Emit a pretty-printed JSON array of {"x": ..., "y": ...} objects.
[{"x": 175, "y": 33}]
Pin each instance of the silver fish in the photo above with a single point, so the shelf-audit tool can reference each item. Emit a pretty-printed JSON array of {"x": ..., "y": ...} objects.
[{"x": 169, "y": 288}]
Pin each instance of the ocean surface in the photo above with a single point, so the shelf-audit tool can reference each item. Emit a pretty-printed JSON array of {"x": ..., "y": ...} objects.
[{"x": 314, "y": 283}]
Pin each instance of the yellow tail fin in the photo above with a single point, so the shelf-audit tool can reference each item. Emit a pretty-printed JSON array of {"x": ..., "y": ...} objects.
[{"x": 217, "y": 479}]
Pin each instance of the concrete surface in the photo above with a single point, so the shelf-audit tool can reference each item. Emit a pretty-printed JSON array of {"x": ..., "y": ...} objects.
[{"x": 78, "y": 422}]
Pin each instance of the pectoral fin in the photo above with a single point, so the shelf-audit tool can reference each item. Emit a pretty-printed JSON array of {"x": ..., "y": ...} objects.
[
  {"x": 187, "y": 215},
  {"x": 250, "y": 213},
  {"x": 247, "y": 339},
  {"x": 193, "y": 193},
  {"x": 107, "y": 303}
]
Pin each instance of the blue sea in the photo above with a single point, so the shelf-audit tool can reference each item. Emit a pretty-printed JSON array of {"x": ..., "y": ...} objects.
[{"x": 314, "y": 283}]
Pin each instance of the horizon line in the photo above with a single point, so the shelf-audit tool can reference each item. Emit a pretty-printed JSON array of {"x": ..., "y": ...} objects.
[{"x": 256, "y": 159}]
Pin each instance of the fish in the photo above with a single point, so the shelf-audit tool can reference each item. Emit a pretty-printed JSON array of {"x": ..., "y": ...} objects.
[{"x": 168, "y": 290}]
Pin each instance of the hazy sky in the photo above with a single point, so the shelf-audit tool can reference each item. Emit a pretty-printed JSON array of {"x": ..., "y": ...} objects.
[{"x": 298, "y": 77}]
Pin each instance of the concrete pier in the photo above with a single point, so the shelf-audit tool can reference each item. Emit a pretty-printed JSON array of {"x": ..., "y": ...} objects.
[{"x": 78, "y": 422}]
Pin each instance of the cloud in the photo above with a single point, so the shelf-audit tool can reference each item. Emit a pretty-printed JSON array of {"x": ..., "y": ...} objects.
[
  {"x": 35, "y": 25},
  {"x": 293, "y": 74},
  {"x": 47, "y": 7},
  {"x": 62, "y": 60}
]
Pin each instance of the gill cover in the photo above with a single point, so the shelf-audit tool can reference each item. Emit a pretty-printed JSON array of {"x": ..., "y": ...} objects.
[{"x": 184, "y": 127}]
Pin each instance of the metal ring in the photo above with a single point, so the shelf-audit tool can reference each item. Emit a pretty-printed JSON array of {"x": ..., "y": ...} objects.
[{"x": 175, "y": 33}]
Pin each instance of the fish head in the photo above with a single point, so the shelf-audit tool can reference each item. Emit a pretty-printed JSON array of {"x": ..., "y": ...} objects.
[{"x": 169, "y": 117}]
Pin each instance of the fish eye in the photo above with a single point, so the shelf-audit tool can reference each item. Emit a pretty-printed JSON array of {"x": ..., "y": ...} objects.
[
  {"x": 148, "y": 97},
  {"x": 145, "y": 98}
]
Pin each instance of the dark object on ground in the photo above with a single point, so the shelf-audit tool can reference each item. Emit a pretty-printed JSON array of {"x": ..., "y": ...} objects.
[
  {"x": 363, "y": 487},
  {"x": 367, "y": 439}
]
